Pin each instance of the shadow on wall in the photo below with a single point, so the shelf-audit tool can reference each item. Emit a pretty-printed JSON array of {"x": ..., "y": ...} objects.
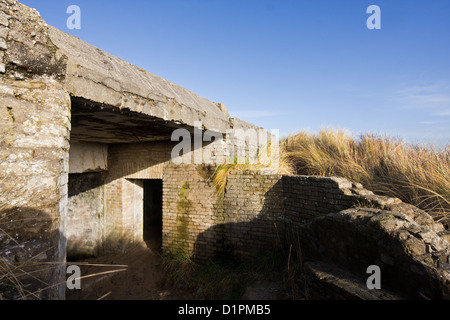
[
  {"x": 84, "y": 182},
  {"x": 352, "y": 239},
  {"x": 32, "y": 255},
  {"x": 87, "y": 213},
  {"x": 236, "y": 240},
  {"x": 112, "y": 243},
  {"x": 247, "y": 231}
]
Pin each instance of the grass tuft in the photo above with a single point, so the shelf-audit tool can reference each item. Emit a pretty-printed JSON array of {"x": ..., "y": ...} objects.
[
  {"x": 416, "y": 174},
  {"x": 283, "y": 166}
]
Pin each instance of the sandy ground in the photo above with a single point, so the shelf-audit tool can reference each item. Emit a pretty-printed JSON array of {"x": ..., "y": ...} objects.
[{"x": 141, "y": 279}]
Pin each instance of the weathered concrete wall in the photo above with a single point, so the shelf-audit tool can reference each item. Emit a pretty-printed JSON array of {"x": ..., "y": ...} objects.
[
  {"x": 88, "y": 157},
  {"x": 85, "y": 213},
  {"x": 4, "y": 30},
  {"x": 34, "y": 146},
  {"x": 33, "y": 173},
  {"x": 27, "y": 49},
  {"x": 34, "y": 170}
]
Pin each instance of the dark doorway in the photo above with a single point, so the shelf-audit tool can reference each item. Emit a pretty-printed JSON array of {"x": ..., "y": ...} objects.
[{"x": 153, "y": 200}]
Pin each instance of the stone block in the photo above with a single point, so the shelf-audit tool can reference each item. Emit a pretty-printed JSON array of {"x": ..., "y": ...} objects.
[
  {"x": 3, "y": 44},
  {"x": 4, "y": 19},
  {"x": 3, "y": 32}
]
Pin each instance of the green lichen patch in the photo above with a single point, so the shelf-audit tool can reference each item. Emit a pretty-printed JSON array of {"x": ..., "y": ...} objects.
[{"x": 183, "y": 209}]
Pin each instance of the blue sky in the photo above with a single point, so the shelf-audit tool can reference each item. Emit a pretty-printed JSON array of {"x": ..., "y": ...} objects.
[{"x": 288, "y": 64}]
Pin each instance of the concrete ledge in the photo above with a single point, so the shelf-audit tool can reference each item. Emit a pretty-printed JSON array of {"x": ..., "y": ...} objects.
[{"x": 329, "y": 282}]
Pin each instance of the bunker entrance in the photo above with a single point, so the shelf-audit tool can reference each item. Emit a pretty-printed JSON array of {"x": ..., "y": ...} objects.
[{"x": 153, "y": 207}]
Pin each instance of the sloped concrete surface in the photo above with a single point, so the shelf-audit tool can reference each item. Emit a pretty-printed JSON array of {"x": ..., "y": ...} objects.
[{"x": 98, "y": 76}]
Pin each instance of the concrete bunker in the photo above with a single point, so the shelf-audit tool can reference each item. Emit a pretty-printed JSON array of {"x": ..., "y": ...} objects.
[{"x": 81, "y": 134}]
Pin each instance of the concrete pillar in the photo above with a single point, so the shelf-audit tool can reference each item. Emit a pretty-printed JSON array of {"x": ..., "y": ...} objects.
[{"x": 34, "y": 153}]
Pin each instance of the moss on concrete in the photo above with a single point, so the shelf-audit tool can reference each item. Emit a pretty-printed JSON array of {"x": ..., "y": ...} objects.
[{"x": 183, "y": 209}]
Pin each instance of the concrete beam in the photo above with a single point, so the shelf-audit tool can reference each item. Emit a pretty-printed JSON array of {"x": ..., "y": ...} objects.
[{"x": 98, "y": 76}]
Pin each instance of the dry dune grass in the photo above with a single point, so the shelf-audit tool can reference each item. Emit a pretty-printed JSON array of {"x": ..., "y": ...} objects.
[
  {"x": 265, "y": 160},
  {"x": 417, "y": 174}
]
